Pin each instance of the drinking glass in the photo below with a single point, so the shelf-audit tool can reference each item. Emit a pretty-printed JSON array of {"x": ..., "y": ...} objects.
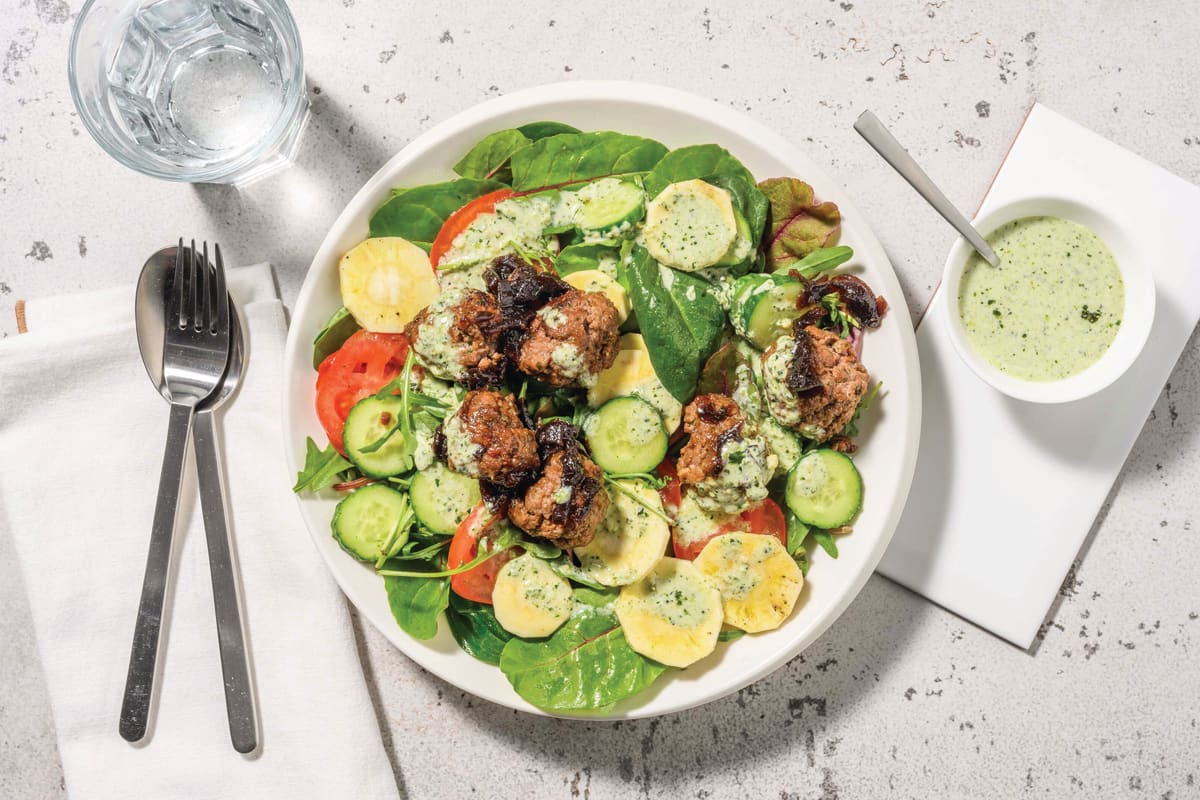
[{"x": 205, "y": 91}]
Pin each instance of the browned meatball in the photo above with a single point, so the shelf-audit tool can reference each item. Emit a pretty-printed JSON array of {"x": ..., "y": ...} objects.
[
  {"x": 567, "y": 503},
  {"x": 485, "y": 438},
  {"x": 456, "y": 337},
  {"x": 813, "y": 382},
  {"x": 710, "y": 420},
  {"x": 571, "y": 340}
]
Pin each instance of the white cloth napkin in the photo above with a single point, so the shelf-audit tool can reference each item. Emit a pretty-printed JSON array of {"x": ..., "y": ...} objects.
[{"x": 81, "y": 443}]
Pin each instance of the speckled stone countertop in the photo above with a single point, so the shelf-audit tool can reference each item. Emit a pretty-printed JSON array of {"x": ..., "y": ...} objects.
[{"x": 899, "y": 698}]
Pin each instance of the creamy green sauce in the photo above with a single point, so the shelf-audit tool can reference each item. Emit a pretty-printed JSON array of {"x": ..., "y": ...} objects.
[
  {"x": 1052, "y": 307},
  {"x": 539, "y": 589},
  {"x": 747, "y": 466},
  {"x": 679, "y": 598}
]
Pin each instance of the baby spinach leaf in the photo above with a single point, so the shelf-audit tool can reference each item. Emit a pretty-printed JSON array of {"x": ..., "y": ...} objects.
[
  {"x": 569, "y": 158},
  {"x": 798, "y": 224},
  {"x": 416, "y": 603},
  {"x": 417, "y": 214},
  {"x": 747, "y": 199},
  {"x": 476, "y": 629},
  {"x": 578, "y": 257},
  {"x": 796, "y": 533},
  {"x": 540, "y": 130},
  {"x": 827, "y": 541},
  {"x": 340, "y": 327},
  {"x": 730, "y": 634},
  {"x": 681, "y": 321},
  {"x": 489, "y": 159},
  {"x": 321, "y": 468},
  {"x": 697, "y": 161},
  {"x": 586, "y": 665},
  {"x": 599, "y": 598}
]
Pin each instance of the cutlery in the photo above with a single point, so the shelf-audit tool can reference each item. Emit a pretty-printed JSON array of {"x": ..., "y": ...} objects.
[
  {"x": 880, "y": 138},
  {"x": 194, "y": 357},
  {"x": 235, "y": 661}
]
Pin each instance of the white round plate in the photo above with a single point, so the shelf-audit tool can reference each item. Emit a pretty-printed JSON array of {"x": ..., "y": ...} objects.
[{"x": 890, "y": 431}]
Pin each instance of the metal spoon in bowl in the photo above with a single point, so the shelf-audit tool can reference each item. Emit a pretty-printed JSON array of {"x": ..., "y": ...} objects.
[
  {"x": 880, "y": 138},
  {"x": 149, "y": 308}
]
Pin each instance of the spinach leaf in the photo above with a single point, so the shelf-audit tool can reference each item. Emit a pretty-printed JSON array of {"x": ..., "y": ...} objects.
[
  {"x": 586, "y": 665},
  {"x": 578, "y": 257},
  {"x": 697, "y": 161},
  {"x": 489, "y": 159},
  {"x": 827, "y": 542},
  {"x": 798, "y": 223},
  {"x": 569, "y": 158},
  {"x": 540, "y": 130},
  {"x": 796, "y": 533},
  {"x": 321, "y": 468},
  {"x": 417, "y": 214},
  {"x": 730, "y": 634},
  {"x": 340, "y": 327},
  {"x": 681, "y": 321},
  {"x": 476, "y": 629},
  {"x": 747, "y": 199},
  {"x": 599, "y": 598},
  {"x": 416, "y": 603}
]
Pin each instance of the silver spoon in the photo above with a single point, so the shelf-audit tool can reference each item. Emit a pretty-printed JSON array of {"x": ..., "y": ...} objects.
[
  {"x": 149, "y": 308},
  {"x": 879, "y": 137}
]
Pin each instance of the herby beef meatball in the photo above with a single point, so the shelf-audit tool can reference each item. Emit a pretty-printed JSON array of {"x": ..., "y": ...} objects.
[
  {"x": 567, "y": 503},
  {"x": 456, "y": 337},
  {"x": 725, "y": 465},
  {"x": 813, "y": 382},
  {"x": 485, "y": 438},
  {"x": 571, "y": 339}
]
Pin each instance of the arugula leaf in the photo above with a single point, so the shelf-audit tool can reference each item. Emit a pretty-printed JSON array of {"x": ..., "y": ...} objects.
[
  {"x": 697, "y": 161},
  {"x": 321, "y": 468},
  {"x": 417, "y": 214},
  {"x": 565, "y": 568},
  {"x": 340, "y": 327},
  {"x": 540, "y": 130},
  {"x": 488, "y": 160},
  {"x": 820, "y": 260},
  {"x": 578, "y": 257},
  {"x": 827, "y": 541},
  {"x": 586, "y": 665},
  {"x": 476, "y": 629},
  {"x": 540, "y": 549},
  {"x": 569, "y": 158},
  {"x": 730, "y": 634},
  {"x": 681, "y": 321},
  {"x": 417, "y": 602},
  {"x": 798, "y": 224}
]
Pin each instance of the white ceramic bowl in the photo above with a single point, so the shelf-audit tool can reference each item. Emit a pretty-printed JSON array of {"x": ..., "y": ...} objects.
[
  {"x": 890, "y": 431},
  {"x": 1136, "y": 321}
]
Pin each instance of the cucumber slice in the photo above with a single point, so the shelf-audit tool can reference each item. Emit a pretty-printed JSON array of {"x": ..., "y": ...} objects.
[
  {"x": 626, "y": 434},
  {"x": 365, "y": 520},
  {"x": 370, "y": 420},
  {"x": 609, "y": 206},
  {"x": 764, "y": 307},
  {"x": 442, "y": 499},
  {"x": 824, "y": 489}
]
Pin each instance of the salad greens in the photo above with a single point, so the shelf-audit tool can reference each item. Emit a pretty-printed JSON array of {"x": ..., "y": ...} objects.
[
  {"x": 475, "y": 627},
  {"x": 322, "y": 468},
  {"x": 418, "y": 214},
  {"x": 571, "y": 158},
  {"x": 798, "y": 224},
  {"x": 417, "y": 603}
]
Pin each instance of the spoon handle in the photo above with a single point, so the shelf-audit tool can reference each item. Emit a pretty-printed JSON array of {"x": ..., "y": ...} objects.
[
  {"x": 143, "y": 656},
  {"x": 235, "y": 661},
  {"x": 880, "y": 138}
]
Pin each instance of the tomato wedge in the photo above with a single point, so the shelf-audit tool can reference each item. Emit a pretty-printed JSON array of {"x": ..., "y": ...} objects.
[
  {"x": 475, "y": 584},
  {"x": 670, "y": 494},
  {"x": 766, "y": 518},
  {"x": 360, "y": 367},
  {"x": 458, "y": 222}
]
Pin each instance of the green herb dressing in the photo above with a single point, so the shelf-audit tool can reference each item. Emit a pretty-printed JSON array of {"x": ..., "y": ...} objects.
[{"x": 1052, "y": 307}]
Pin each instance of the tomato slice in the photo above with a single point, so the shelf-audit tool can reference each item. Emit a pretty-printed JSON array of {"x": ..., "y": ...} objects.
[
  {"x": 765, "y": 518},
  {"x": 458, "y": 222},
  {"x": 360, "y": 367},
  {"x": 670, "y": 494},
  {"x": 476, "y": 584}
]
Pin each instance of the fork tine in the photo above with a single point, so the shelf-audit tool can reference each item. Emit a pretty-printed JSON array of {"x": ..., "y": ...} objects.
[
  {"x": 222, "y": 319},
  {"x": 176, "y": 310},
  {"x": 207, "y": 298},
  {"x": 197, "y": 289}
]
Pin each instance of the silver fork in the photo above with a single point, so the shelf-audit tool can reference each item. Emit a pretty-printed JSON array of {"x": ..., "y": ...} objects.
[{"x": 195, "y": 354}]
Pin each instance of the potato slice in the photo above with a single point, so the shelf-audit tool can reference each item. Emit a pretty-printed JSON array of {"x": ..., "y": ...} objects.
[
  {"x": 758, "y": 580},
  {"x": 673, "y": 615},
  {"x": 385, "y": 282}
]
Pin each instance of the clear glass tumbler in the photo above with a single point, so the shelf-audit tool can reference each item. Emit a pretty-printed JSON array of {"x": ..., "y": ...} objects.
[{"x": 206, "y": 91}]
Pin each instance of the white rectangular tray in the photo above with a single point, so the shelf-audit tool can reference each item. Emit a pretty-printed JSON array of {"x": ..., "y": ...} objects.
[{"x": 1005, "y": 491}]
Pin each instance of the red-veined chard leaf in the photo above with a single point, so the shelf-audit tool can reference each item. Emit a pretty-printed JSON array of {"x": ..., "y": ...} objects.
[{"x": 798, "y": 224}]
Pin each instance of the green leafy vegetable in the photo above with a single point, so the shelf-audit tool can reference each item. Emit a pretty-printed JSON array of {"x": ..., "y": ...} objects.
[
  {"x": 730, "y": 634},
  {"x": 797, "y": 531},
  {"x": 476, "y": 629},
  {"x": 540, "y": 549},
  {"x": 578, "y": 257},
  {"x": 417, "y": 602},
  {"x": 820, "y": 260},
  {"x": 681, "y": 321},
  {"x": 747, "y": 199},
  {"x": 697, "y": 161},
  {"x": 599, "y": 598},
  {"x": 570, "y": 158},
  {"x": 586, "y": 665},
  {"x": 340, "y": 327},
  {"x": 798, "y": 224},
  {"x": 540, "y": 130},
  {"x": 719, "y": 375},
  {"x": 322, "y": 468},
  {"x": 488, "y": 160},
  {"x": 827, "y": 541},
  {"x": 417, "y": 214}
]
